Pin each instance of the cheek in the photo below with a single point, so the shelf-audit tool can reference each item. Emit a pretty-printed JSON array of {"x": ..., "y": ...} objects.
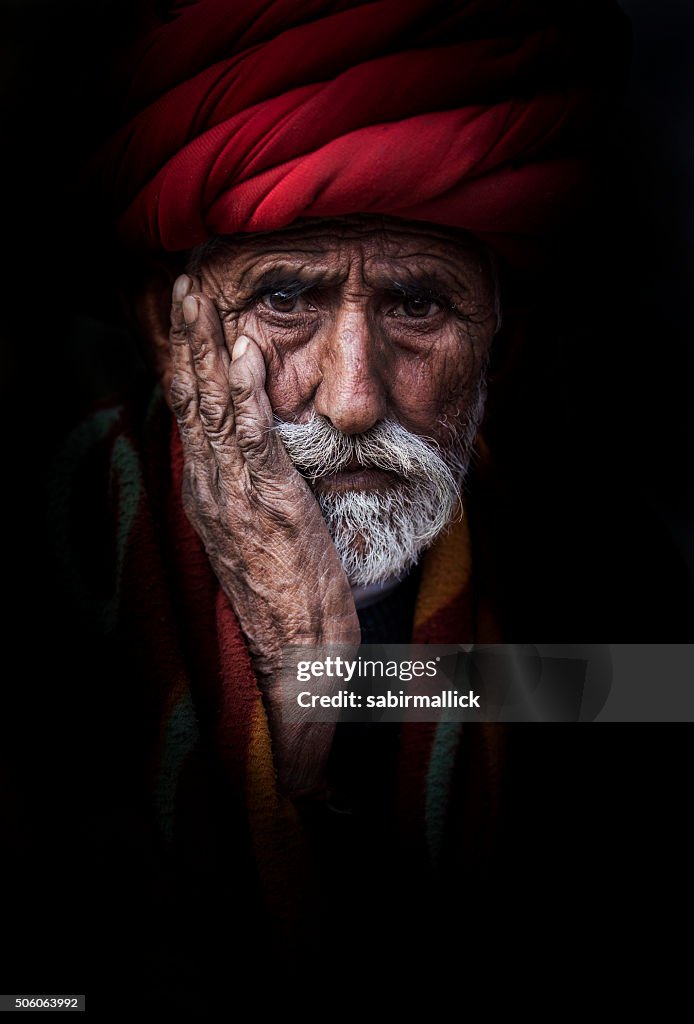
[
  {"x": 292, "y": 374},
  {"x": 426, "y": 384}
]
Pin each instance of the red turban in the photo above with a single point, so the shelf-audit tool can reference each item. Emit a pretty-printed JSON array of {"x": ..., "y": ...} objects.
[{"x": 243, "y": 115}]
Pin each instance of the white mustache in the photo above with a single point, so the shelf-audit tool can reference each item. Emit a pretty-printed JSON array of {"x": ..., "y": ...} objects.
[
  {"x": 318, "y": 449},
  {"x": 381, "y": 534}
]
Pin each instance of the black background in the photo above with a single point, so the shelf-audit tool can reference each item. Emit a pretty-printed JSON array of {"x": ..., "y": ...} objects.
[{"x": 599, "y": 535}]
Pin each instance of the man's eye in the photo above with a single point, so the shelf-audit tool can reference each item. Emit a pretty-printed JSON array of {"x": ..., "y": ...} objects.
[
  {"x": 418, "y": 307},
  {"x": 284, "y": 302}
]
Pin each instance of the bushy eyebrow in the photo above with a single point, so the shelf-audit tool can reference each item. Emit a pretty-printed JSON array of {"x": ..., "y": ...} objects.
[
  {"x": 292, "y": 282},
  {"x": 419, "y": 274},
  {"x": 419, "y": 284},
  {"x": 289, "y": 271}
]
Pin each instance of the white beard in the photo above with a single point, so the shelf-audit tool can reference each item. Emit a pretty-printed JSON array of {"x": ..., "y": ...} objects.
[{"x": 381, "y": 534}]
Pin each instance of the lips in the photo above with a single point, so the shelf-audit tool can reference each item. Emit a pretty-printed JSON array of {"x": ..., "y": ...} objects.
[{"x": 353, "y": 476}]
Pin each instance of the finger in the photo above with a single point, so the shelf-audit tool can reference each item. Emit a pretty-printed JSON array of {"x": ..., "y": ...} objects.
[
  {"x": 183, "y": 395},
  {"x": 255, "y": 436},
  {"x": 211, "y": 363},
  {"x": 197, "y": 491}
]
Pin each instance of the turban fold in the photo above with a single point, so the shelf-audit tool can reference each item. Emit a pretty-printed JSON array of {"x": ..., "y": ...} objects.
[{"x": 244, "y": 115}]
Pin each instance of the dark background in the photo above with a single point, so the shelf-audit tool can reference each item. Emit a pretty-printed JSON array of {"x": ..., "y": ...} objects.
[
  {"x": 598, "y": 538},
  {"x": 597, "y": 434}
]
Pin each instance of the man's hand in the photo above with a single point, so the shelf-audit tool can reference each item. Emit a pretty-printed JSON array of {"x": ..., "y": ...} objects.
[{"x": 261, "y": 526}]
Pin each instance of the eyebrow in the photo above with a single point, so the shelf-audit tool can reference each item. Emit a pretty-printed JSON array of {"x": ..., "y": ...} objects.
[
  {"x": 419, "y": 283},
  {"x": 291, "y": 280},
  {"x": 422, "y": 280},
  {"x": 289, "y": 272}
]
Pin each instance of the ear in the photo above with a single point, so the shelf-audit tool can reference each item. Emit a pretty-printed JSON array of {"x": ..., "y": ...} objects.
[{"x": 146, "y": 302}]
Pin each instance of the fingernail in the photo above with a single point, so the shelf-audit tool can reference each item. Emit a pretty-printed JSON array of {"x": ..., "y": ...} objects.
[
  {"x": 190, "y": 309},
  {"x": 239, "y": 348},
  {"x": 181, "y": 287}
]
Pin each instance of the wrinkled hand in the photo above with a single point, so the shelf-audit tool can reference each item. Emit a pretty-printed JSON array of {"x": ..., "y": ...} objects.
[{"x": 261, "y": 525}]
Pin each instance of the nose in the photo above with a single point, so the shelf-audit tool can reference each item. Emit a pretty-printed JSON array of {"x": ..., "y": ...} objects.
[{"x": 351, "y": 393}]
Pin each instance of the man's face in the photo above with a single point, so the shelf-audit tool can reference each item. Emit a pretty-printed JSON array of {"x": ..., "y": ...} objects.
[{"x": 375, "y": 340}]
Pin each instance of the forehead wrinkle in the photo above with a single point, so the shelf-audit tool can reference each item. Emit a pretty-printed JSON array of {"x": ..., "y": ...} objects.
[
  {"x": 376, "y": 227},
  {"x": 334, "y": 257},
  {"x": 300, "y": 263},
  {"x": 217, "y": 279},
  {"x": 294, "y": 247}
]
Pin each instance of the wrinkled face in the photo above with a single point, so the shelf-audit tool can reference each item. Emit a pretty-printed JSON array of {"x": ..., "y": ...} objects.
[
  {"x": 367, "y": 330},
  {"x": 356, "y": 323}
]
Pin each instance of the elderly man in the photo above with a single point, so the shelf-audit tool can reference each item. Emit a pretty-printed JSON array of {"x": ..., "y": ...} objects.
[
  {"x": 320, "y": 201},
  {"x": 328, "y": 382}
]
